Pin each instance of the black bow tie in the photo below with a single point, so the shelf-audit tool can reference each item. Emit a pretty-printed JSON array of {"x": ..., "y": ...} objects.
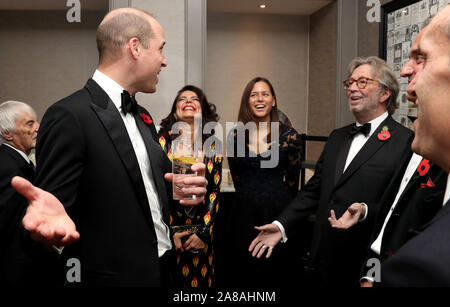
[
  {"x": 129, "y": 104},
  {"x": 364, "y": 129}
]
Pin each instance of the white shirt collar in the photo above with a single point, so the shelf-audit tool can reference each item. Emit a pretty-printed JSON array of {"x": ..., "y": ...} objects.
[
  {"x": 20, "y": 152},
  {"x": 447, "y": 191},
  {"x": 111, "y": 87},
  {"x": 374, "y": 123}
]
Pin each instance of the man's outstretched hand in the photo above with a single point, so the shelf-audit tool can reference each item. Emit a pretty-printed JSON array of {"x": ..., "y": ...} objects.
[
  {"x": 350, "y": 217},
  {"x": 269, "y": 236},
  {"x": 45, "y": 219}
]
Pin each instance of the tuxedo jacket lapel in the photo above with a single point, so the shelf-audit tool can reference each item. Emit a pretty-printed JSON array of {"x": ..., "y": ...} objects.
[
  {"x": 115, "y": 127},
  {"x": 372, "y": 145},
  {"x": 342, "y": 155},
  {"x": 27, "y": 168},
  {"x": 156, "y": 156},
  {"x": 411, "y": 183}
]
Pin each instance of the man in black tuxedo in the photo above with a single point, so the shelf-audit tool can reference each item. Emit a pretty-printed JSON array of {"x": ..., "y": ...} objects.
[
  {"x": 96, "y": 154},
  {"x": 352, "y": 173},
  {"x": 18, "y": 129},
  {"x": 423, "y": 260},
  {"x": 410, "y": 202}
]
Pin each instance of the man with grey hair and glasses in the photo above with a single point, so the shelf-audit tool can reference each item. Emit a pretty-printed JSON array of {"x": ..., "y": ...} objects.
[
  {"x": 351, "y": 175},
  {"x": 18, "y": 131}
]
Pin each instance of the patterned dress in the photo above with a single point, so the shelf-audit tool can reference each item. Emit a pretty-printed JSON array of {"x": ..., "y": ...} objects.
[
  {"x": 261, "y": 195},
  {"x": 196, "y": 270}
]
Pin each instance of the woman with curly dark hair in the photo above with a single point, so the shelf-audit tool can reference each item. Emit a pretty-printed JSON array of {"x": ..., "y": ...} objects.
[{"x": 192, "y": 227}]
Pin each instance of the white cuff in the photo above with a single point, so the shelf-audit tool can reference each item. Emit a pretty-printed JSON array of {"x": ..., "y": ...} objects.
[
  {"x": 367, "y": 278},
  {"x": 59, "y": 250},
  {"x": 283, "y": 232},
  {"x": 365, "y": 213}
]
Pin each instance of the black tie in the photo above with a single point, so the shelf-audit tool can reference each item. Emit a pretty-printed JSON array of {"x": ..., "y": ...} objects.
[
  {"x": 364, "y": 129},
  {"x": 129, "y": 104}
]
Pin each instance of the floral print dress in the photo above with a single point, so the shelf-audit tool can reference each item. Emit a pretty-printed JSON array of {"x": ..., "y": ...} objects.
[{"x": 196, "y": 270}]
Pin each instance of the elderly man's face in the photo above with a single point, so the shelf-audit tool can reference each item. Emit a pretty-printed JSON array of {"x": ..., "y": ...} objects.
[
  {"x": 27, "y": 126},
  {"x": 431, "y": 85},
  {"x": 411, "y": 68},
  {"x": 365, "y": 100}
]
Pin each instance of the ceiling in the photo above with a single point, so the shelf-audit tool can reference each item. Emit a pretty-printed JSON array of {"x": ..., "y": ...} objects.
[
  {"x": 290, "y": 7},
  {"x": 89, "y": 5}
]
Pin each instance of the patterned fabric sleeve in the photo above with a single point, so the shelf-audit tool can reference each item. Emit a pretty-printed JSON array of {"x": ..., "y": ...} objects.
[
  {"x": 212, "y": 197},
  {"x": 291, "y": 142}
]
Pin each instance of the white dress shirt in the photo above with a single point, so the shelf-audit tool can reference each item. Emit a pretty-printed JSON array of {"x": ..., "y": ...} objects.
[
  {"x": 357, "y": 143},
  {"x": 410, "y": 170},
  {"x": 360, "y": 139},
  {"x": 447, "y": 192},
  {"x": 114, "y": 91}
]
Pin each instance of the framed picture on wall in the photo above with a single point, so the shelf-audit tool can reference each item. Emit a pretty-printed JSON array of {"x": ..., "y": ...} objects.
[{"x": 401, "y": 21}]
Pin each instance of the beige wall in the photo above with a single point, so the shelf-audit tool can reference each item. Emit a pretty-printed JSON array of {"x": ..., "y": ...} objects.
[
  {"x": 368, "y": 33},
  {"x": 171, "y": 16},
  {"x": 322, "y": 82},
  {"x": 43, "y": 58},
  {"x": 243, "y": 46}
]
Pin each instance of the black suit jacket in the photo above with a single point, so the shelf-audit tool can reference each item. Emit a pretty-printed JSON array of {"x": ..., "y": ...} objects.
[
  {"x": 423, "y": 260},
  {"x": 14, "y": 263},
  {"x": 418, "y": 204},
  {"x": 338, "y": 255},
  {"x": 86, "y": 159}
]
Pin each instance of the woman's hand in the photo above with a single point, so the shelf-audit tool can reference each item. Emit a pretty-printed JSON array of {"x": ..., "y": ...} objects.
[{"x": 194, "y": 243}]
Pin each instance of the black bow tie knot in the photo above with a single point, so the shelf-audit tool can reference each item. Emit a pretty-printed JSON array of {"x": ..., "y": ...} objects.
[
  {"x": 129, "y": 104},
  {"x": 364, "y": 129}
]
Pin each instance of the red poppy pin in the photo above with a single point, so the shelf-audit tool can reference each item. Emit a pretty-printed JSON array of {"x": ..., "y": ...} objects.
[
  {"x": 146, "y": 118},
  {"x": 423, "y": 167},
  {"x": 384, "y": 134}
]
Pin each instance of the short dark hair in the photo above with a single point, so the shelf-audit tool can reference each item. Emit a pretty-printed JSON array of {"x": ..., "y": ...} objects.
[{"x": 115, "y": 31}]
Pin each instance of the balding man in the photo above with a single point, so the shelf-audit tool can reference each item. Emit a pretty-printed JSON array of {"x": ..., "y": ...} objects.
[
  {"x": 424, "y": 261},
  {"x": 18, "y": 130},
  {"x": 98, "y": 157}
]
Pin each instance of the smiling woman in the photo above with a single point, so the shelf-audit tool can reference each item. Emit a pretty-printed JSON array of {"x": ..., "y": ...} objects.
[
  {"x": 261, "y": 192},
  {"x": 192, "y": 227}
]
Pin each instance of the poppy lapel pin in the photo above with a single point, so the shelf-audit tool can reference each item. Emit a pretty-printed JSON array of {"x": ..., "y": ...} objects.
[
  {"x": 384, "y": 134},
  {"x": 423, "y": 167},
  {"x": 146, "y": 118}
]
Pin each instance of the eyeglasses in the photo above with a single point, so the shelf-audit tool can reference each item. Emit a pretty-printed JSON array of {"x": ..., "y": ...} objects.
[{"x": 361, "y": 82}]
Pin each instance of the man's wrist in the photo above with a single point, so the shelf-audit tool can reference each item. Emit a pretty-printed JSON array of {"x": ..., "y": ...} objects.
[
  {"x": 364, "y": 211},
  {"x": 282, "y": 230}
]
